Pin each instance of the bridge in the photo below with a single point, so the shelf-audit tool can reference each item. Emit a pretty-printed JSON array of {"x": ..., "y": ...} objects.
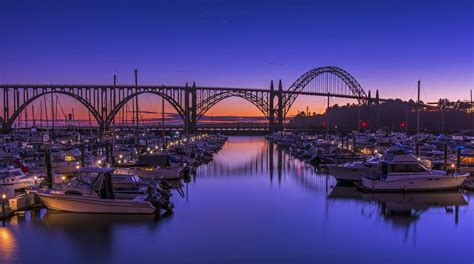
[{"x": 191, "y": 102}]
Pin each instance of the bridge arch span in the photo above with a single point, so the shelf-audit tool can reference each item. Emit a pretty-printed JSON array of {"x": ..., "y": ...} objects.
[
  {"x": 176, "y": 105},
  {"x": 354, "y": 87},
  {"x": 84, "y": 102},
  {"x": 252, "y": 97}
]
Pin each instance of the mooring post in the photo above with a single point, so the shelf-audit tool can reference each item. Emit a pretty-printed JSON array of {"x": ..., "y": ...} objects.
[
  {"x": 458, "y": 159},
  {"x": 47, "y": 159},
  {"x": 83, "y": 155},
  {"x": 445, "y": 156}
]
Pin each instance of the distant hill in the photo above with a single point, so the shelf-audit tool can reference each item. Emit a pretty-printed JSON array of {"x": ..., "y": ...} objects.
[{"x": 391, "y": 115}]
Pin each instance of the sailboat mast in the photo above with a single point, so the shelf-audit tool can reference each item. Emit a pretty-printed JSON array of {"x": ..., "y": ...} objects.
[
  {"x": 163, "y": 120},
  {"x": 418, "y": 110}
]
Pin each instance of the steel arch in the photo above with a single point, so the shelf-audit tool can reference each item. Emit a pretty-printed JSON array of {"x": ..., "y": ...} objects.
[
  {"x": 84, "y": 102},
  {"x": 259, "y": 101},
  {"x": 306, "y": 78},
  {"x": 125, "y": 100}
]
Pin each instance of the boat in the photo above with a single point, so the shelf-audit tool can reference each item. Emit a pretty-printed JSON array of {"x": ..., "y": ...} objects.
[
  {"x": 15, "y": 178},
  {"x": 91, "y": 191},
  {"x": 402, "y": 171},
  {"x": 353, "y": 171}
]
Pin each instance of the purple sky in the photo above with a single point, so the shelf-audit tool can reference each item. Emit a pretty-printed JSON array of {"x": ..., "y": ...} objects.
[{"x": 386, "y": 45}]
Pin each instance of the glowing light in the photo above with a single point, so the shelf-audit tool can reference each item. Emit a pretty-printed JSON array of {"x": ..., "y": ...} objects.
[
  {"x": 121, "y": 156},
  {"x": 35, "y": 178},
  {"x": 77, "y": 167},
  {"x": 4, "y": 196},
  {"x": 452, "y": 165},
  {"x": 99, "y": 162},
  {"x": 63, "y": 178}
]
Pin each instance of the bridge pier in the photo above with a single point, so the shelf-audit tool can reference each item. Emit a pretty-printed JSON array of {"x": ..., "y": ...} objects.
[
  {"x": 271, "y": 112},
  {"x": 193, "y": 109},
  {"x": 187, "y": 92},
  {"x": 280, "y": 106}
]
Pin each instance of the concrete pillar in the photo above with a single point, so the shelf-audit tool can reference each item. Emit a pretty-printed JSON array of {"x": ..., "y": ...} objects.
[
  {"x": 271, "y": 113},
  {"x": 186, "y": 110},
  {"x": 280, "y": 106},
  {"x": 194, "y": 109}
]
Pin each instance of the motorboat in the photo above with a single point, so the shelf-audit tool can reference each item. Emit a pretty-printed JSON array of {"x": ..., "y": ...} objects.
[
  {"x": 402, "y": 171},
  {"x": 354, "y": 171},
  {"x": 15, "y": 178},
  {"x": 91, "y": 191}
]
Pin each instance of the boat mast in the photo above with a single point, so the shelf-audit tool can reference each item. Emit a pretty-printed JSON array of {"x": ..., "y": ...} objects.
[
  {"x": 418, "y": 111},
  {"x": 472, "y": 120},
  {"x": 136, "y": 111},
  {"x": 163, "y": 121}
]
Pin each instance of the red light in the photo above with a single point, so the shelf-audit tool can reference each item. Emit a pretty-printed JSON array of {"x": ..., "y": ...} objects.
[
  {"x": 403, "y": 124},
  {"x": 323, "y": 124},
  {"x": 364, "y": 124}
]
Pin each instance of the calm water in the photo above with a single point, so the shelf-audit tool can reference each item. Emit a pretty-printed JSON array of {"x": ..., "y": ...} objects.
[{"x": 254, "y": 204}]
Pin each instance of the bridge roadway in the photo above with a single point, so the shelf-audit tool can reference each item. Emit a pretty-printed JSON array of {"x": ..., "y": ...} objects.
[{"x": 106, "y": 102}]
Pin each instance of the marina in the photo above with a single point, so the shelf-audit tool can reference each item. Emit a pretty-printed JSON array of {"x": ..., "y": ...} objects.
[
  {"x": 251, "y": 201},
  {"x": 236, "y": 132}
]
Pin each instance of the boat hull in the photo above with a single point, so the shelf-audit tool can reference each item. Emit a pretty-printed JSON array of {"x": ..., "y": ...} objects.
[
  {"x": 81, "y": 204},
  {"x": 349, "y": 174},
  {"x": 421, "y": 183}
]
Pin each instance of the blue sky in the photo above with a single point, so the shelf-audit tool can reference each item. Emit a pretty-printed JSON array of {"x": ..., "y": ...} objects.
[{"x": 386, "y": 44}]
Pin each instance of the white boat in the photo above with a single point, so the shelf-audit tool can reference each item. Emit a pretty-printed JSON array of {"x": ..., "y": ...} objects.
[
  {"x": 402, "y": 171},
  {"x": 91, "y": 192},
  {"x": 13, "y": 177},
  {"x": 353, "y": 171}
]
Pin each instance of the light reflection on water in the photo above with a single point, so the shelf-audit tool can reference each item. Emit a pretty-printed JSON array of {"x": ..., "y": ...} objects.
[{"x": 255, "y": 204}]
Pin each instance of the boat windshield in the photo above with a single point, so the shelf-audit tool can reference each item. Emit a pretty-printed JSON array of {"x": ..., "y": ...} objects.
[
  {"x": 407, "y": 168},
  {"x": 88, "y": 177}
]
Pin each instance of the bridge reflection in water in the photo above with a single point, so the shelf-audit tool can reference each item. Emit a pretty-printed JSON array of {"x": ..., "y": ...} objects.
[{"x": 257, "y": 157}]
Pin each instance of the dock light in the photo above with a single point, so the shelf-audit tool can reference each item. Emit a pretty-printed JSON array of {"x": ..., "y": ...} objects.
[
  {"x": 119, "y": 161},
  {"x": 452, "y": 165},
  {"x": 63, "y": 178},
  {"x": 156, "y": 147},
  {"x": 4, "y": 196},
  {"x": 77, "y": 166},
  {"x": 148, "y": 149},
  {"x": 35, "y": 178},
  {"x": 375, "y": 151}
]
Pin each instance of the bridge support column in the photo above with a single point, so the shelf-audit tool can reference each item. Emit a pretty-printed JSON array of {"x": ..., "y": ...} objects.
[
  {"x": 6, "y": 114},
  {"x": 186, "y": 110},
  {"x": 280, "y": 106},
  {"x": 193, "y": 109},
  {"x": 271, "y": 113}
]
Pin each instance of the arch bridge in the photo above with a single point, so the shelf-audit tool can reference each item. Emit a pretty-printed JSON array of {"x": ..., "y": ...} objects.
[{"x": 191, "y": 103}]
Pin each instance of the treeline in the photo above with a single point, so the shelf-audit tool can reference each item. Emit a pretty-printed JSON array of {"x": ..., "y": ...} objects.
[{"x": 395, "y": 115}]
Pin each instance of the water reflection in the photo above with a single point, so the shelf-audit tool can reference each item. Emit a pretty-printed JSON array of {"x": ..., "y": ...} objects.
[
  {"x": 265, "y": 160},
  {"x": 401, "y": 210},
  {"x": 256, "y": 204}
]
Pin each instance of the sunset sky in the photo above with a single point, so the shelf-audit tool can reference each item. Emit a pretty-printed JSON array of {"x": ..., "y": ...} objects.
[{"x": 386, "y": 45}]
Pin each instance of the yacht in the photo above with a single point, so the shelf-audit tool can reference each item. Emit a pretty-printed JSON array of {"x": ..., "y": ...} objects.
[
  {"x": 14, "y": 177},
  {"x": 91, "y": 191},
  {"x": 402, "y": 171},
  {"x": 354, "y": 171}
]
